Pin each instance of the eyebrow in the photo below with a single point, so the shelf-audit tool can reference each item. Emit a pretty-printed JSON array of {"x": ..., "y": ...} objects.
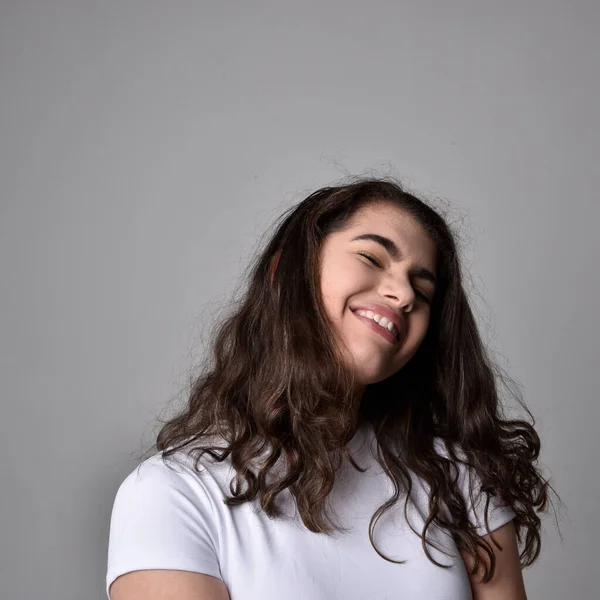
[{"x": 394, "y": 252}]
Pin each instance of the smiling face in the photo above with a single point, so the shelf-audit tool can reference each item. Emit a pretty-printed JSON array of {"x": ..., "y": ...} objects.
[{"x": 384, "y": 270}]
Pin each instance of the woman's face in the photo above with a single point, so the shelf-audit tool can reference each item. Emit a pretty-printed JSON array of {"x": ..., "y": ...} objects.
[{"x": 396, "y": 287}]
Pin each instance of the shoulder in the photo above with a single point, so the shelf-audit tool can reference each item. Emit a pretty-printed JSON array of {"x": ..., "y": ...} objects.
[
  {"x": 486, "y": 511},
  {"x": 171, "y": 476},
  {"x": 158, "y": 479},
  {"x": 165, "y": 516},
  {"x": 160, "y": 490},
  {"x": 170, "y": 487}
]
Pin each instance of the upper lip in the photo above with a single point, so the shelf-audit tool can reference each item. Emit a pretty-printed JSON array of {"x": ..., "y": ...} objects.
[{"x": 384, "y": 311}]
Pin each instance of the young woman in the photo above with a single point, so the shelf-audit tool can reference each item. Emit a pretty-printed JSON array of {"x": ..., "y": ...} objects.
[{"x": 346, "y": 440}]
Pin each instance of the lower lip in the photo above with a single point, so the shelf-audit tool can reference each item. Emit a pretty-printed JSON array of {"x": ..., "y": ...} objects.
[{"x": 382, "y": 331}]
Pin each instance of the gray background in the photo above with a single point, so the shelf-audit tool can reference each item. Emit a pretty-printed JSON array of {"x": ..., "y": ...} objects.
[{"x": 146, "y": 146}]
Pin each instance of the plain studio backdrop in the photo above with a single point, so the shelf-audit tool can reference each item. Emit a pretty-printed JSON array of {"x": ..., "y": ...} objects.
[{"x": 145, "y": 147}]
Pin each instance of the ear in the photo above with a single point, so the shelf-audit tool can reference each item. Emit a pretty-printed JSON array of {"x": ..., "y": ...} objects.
[{"x": 274, "y": 263}]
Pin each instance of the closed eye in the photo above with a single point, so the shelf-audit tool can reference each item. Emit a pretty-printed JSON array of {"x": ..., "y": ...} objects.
[{"x": 372, "y": 260}]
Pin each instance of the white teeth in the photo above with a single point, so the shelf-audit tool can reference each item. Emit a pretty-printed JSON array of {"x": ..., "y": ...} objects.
[{"x": 382, "y": 321}]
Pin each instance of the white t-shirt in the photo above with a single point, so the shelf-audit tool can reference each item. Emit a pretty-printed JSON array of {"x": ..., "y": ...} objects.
[{"x": 171, "y": 517}]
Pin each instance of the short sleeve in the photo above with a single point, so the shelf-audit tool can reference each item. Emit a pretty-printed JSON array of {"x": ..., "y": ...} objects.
[
  {"x": 162, "y": 518},
  {"x": 498, "y": 511}
]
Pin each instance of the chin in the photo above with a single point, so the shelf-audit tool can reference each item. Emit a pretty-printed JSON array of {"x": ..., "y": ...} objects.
[{"x": 370, "y": 376}]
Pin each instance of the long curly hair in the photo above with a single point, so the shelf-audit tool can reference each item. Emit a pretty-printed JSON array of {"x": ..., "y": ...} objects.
[{"x": 275, "y": 388}]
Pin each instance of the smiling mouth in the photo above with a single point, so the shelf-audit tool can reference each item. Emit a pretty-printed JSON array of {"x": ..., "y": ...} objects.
[{"x": 385, "y": 333}]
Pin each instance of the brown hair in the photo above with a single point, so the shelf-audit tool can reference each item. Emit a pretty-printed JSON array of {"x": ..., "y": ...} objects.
[{"x": 275, "y": 383}]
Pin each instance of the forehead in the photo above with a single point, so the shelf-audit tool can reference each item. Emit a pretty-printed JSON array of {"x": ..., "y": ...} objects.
[{"x": 396, "y": 224}]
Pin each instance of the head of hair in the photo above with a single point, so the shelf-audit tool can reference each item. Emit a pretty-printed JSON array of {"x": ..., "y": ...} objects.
[{"x": 276, "y": 391}]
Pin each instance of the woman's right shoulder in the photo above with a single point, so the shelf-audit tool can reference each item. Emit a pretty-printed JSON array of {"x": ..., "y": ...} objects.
[
  {"x": 166, "y": 483},
  {"x": 166, "y": 516},
  {"x": 156, "y": 473},
  {"x": 177, "y": 469}
]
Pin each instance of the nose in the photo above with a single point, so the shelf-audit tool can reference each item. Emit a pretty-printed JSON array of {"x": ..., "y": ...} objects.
[{"x": 400, "y": 293}]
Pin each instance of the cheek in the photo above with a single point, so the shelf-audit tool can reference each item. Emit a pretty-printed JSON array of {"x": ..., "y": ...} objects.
[
  {"x": 418, "y": 331},
  {"x": 333, "y": 304},
  {"x": 336, "y": 288}
]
